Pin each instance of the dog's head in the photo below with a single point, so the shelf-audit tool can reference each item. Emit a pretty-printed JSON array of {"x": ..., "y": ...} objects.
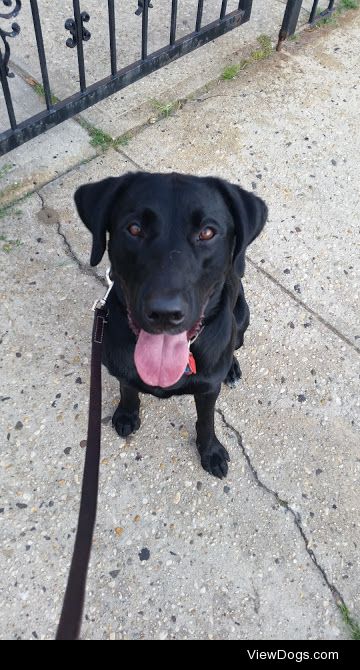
[{"x": 173, "y": 239}]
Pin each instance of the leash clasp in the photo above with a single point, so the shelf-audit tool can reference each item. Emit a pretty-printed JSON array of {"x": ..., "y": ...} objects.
[{"x": 101, "y": 302}]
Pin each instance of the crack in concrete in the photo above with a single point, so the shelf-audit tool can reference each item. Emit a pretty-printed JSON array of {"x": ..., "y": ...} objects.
[
  {"x": 123, "y": 153},
  {"x": 84, "y": 269},
  {"x": 338, "y": 598},
  {"x": 302, "y": 304},
  {"x": 3, "y": 335}
]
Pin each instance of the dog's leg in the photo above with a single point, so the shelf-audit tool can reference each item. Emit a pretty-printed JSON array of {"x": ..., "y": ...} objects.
[
  {"x": 242, "y": 318},
  {"x": 234, "y": 375},
  {"x": 214, "y": 457},
  {"x": 126, "y": 418}
]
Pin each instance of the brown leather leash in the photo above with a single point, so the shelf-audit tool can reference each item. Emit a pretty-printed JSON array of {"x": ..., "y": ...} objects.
[{"x": 73, "y": 605}]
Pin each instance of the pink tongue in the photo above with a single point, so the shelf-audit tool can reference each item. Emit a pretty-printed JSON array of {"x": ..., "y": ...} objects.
[{"x": 161, "y": 359}]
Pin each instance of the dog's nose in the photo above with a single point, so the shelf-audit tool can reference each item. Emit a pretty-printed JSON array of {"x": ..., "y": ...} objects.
[{"x": 165, "y": 311}]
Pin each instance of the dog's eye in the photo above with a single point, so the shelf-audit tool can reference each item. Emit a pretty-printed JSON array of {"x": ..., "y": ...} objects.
[
  {"x": 207, "y": 234},
  {"x": 135, "y": 230}
]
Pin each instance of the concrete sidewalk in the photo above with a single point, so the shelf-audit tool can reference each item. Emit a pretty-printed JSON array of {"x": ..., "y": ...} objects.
[{"x": 272, "y": 552}]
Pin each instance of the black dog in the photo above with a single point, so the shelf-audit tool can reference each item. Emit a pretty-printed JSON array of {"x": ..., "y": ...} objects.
[{"x": 177, "y": 310}]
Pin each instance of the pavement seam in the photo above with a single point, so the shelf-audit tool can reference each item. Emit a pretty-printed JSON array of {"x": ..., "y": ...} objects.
[
  {"x": 85, "y": 161},
  {"x": 337, "y": 597},
  {"x": 302, "y": 304},
  {"x": 36, "y": 190},
  {"x": 128, "y": 158},
  {"x": 84, "y": 269}
]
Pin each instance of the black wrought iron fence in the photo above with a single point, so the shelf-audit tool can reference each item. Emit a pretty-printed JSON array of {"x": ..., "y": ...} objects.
[{"x": 118, "y": 78}]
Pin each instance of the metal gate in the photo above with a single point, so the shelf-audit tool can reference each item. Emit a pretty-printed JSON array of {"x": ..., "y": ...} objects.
[{"x": 118, "y": 78}]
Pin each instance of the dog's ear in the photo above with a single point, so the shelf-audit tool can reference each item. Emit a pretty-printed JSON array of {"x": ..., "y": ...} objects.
[
  {"x": 94, "y": 203},
  {"x": 249, "y": 214}
]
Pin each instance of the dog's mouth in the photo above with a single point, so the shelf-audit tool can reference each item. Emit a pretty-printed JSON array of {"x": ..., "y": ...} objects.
[{"x": 161, "y": 358}]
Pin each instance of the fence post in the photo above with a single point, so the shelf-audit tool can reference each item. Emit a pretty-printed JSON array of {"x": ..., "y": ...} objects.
[
  {"x": 290, "y": 21},
  {"x": 246, "y": 6}
]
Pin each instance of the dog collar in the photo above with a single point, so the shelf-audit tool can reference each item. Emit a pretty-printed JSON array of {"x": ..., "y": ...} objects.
[{"x": 191, "y": 366}]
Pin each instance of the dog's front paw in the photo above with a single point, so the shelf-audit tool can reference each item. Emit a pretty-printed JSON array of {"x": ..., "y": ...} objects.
[
  {"x": 125, "y": 422},
  {"x": 234, "y": 375},
  {"x": 215, "y": 459}
]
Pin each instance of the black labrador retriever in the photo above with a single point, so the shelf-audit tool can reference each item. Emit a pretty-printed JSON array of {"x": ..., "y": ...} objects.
[{"x": 177, "y": 309}]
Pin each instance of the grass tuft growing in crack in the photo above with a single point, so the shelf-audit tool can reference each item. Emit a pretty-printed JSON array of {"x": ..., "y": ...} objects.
[
  {"x": 349, "y": 4},
  {"x": 264, "y": 51},
  {"x": 326, "y": 21},
  {"x": 351, "y": 624},
  {"x": 40, "y": 91},
  {"x": 6, "y": 169},
  {"x": 101, "y": 140},
  {"x": 231, "y": 71},
  {"x": 165, "y": 109}
]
